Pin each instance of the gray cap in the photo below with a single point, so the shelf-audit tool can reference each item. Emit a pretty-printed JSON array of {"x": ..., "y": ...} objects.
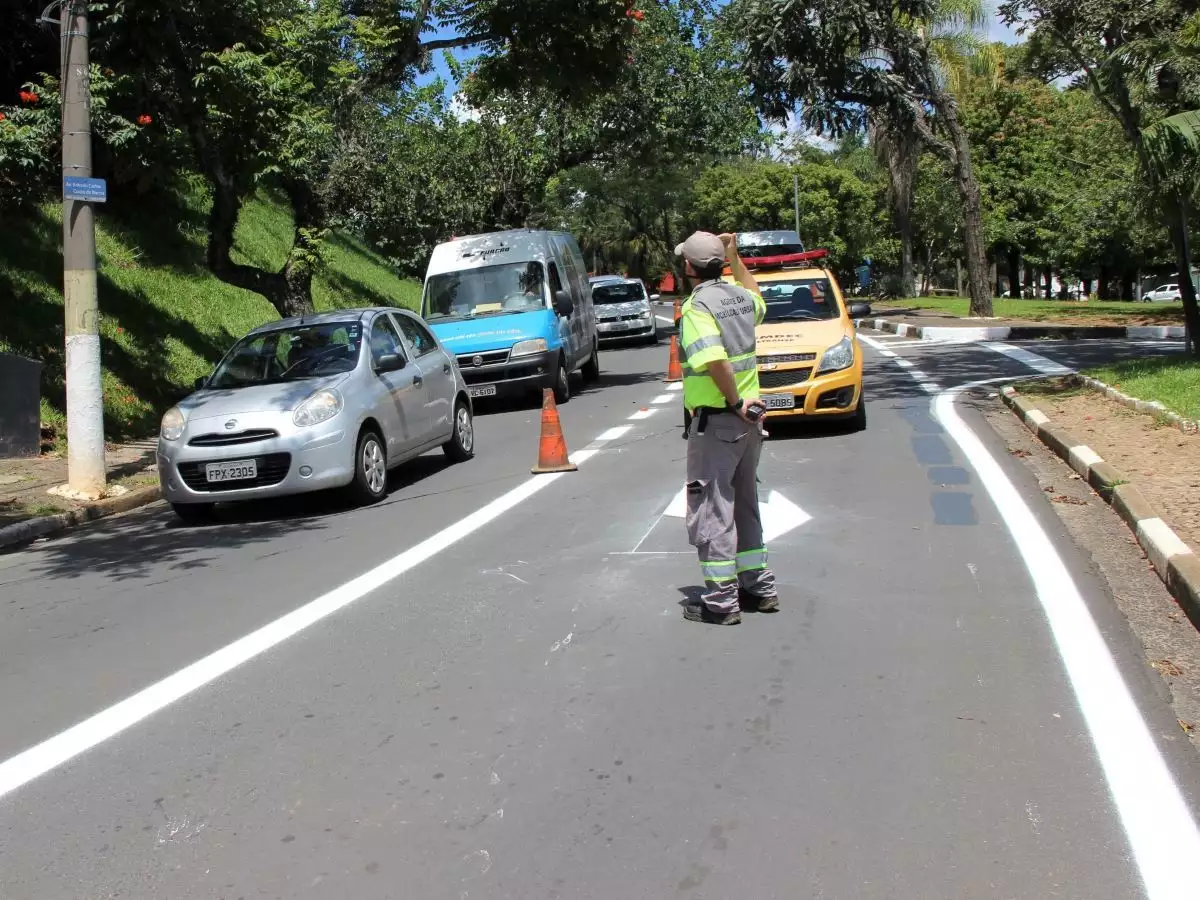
[{"x": 702, "y": 249}]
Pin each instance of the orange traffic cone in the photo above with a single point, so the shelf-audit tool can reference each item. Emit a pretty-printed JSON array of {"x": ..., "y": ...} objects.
[
  {"x": 678, "y": 311},
  {"x": 552, "y": 447},
  {"x": 674, "y": 369}
]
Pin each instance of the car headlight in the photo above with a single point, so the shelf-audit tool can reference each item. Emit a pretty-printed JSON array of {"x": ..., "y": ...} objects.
[
  {"x": 528, "y": 348},
  {"x": 173, "y": 423},
  {"x": 838, "y": 357},
  {"x": 320, "y": 407}
]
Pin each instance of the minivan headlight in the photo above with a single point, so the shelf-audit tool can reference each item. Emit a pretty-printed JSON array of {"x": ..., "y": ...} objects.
[
  {"x": 173, "y": 423},
  {"x": 320, "y": 407},
  {"x": 838, "y": 357},
  {"x": 528, "y": 348}
]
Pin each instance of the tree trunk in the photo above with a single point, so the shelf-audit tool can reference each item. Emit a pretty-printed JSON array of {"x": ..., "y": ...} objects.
[
  {"x": 1178, "y": 223},
  {"x": 1048, "y": 283},
  {"x": 1014, "y": 273},
  {"x": 968, "y": 191},
  {"x": 907, "y": 269},
  {"x": 1029, "y": 290},
  {"x": 1102, "y": 291},
  {"x": 1087, "y": 289},
  {"x": 994, "y": 279},
  {"x": 1126, "y": 285},
  {"x": 958, "y": 279}
]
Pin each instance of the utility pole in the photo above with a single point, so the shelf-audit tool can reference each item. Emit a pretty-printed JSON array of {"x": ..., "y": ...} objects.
[{"x": 85, "y": 397}]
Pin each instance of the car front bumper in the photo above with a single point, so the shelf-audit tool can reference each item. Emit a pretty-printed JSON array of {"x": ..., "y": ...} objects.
[
  {"x": 831, "y": 396},
  {"x": 613, "y": 329},
  {"x": 514, "y": 376},
  {"x": 297, "y": 461}
]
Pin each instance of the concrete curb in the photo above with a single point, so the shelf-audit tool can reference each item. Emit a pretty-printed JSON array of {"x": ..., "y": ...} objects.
[
  {"x": 1022, "y": 332},
  {"x": 1150, "y": 407},
  {"x": 23, "y": 532},
  {"x": 1173, "y": 560}
]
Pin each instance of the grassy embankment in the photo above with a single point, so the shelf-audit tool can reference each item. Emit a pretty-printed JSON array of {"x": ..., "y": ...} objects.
[{"x": 165, "y": 320}]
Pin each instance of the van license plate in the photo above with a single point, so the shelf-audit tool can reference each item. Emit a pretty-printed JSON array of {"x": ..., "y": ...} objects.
[
  {"x": 779, "y": 401},
  {"x": 234, "y": 470},
  {"x": 483, "y": 390}
]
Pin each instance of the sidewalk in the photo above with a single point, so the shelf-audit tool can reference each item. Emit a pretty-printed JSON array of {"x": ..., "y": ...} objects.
[
  {"x": 935, "y": 325},
  {"x": 24, "y": 482}
]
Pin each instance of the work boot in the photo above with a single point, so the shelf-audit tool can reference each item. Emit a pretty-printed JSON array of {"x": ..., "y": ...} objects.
[
  {"x": 698, "y": 612},
  {"x": 753, "y": 603}
]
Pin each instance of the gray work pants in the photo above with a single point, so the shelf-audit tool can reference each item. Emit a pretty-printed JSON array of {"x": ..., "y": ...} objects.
[{"x": 723, "y": 519}]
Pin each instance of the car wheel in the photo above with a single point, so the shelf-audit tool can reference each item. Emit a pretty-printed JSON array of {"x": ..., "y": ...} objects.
[
  {"x": 370, "y": 469},
  {"x": 194, "y": 513},
  {"x": 562, "y": 384},
  {"x": 591, "y": 368},
  {"x": 858, "y": 421},
  {"x": 653, "y": 339},
  {"x": 461, "y": 445}
]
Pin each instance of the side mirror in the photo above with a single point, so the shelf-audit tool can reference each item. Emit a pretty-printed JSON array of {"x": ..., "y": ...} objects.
[
  {"x": 199, "y": 383},
  {"x": 563, "y": 304},
  {"x": 389, "y": 362},
  {"x": 860, "y": 310},
  {"x": 655, "y": 297}
]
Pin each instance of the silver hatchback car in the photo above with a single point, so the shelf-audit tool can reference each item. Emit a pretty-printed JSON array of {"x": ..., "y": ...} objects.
[{"x": 323, "y": 401}]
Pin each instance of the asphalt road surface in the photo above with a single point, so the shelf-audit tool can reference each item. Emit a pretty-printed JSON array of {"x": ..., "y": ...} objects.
[{"x": 484, "y": 688}]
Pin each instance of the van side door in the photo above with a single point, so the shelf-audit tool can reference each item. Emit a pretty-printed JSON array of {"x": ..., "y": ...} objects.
[
  {"x": 562, "y": 323},
  {"x": 575, "y": 279}
]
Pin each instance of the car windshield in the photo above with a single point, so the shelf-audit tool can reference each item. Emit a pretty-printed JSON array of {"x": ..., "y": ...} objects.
[
  {"x": 290, "y": 354},
  {"x": 800, "y": 298},
  {"x": 621, "y": 292},
  {"x": 490, "y": 291}
]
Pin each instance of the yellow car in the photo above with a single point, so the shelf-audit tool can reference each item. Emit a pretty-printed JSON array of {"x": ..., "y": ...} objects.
[{"x": 809, "y": 358}]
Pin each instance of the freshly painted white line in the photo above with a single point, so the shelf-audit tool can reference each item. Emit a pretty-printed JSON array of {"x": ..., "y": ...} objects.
[
  {"x": 675, "y": 386},
  {"x": 614, "y": 434},
  {"x": 1082, "y": 458},
  {"x": 905, "y": 363},
  {"x": 23, "y": 768},
  {"x": 643, "y": 414},
  {"x": 662, "y": 398},
  {"x": 1035, "y": 361},
  {"x": 779, "y": 514},
  {"x": 930, "y": 387},
  {"x": 666, "y": 321},
  {"x": 1162, "y": 834}
]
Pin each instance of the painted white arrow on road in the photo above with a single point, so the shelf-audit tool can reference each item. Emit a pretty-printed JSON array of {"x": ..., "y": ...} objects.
[{"x": 779, "y": 514}]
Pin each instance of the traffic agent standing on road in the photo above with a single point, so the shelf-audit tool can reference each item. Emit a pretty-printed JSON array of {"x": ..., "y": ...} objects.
[{"x": 721, "y": 394}]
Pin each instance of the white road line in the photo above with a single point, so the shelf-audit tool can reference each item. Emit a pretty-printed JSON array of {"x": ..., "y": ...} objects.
[
  {"x": 614, "y": 434},
  {"x": 662, "y": 399},
  {"x": 675, "y": 386},
  {"x": 1162, "y": 834},
  {"x": 23, "y": 768},
  {"x": 904, "y": 363},
  {"x": 666, "y": 321},
  {"x": 1035, "y": 361},
  {"x": 643, "y": 414}
]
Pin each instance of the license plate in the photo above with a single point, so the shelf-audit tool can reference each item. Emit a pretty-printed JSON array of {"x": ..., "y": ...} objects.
[
  {"x": 234, "y": 470},
  {"x": 779, "y": 401},
  {"x": 483, "y": 390}
]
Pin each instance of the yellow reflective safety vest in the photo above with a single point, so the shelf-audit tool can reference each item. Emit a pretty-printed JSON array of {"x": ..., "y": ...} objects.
[{"x": 718, "y": 323}]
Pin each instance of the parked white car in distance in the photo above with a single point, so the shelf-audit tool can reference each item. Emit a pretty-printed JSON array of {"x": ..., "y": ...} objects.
[{"x": 1162, "y": 294}]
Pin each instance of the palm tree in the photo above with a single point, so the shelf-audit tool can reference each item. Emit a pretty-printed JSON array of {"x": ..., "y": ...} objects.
[{"x": 957, "y": 51}]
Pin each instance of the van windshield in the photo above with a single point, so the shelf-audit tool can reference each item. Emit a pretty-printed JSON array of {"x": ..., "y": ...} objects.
[{"x": 490, "y": 291}]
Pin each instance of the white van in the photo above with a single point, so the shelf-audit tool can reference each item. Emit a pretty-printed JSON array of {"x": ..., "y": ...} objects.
[{"x": 515, "y": 308}]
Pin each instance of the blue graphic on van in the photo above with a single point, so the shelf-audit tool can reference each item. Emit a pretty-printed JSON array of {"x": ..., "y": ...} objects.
[{"x": 498, "y": 333}]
